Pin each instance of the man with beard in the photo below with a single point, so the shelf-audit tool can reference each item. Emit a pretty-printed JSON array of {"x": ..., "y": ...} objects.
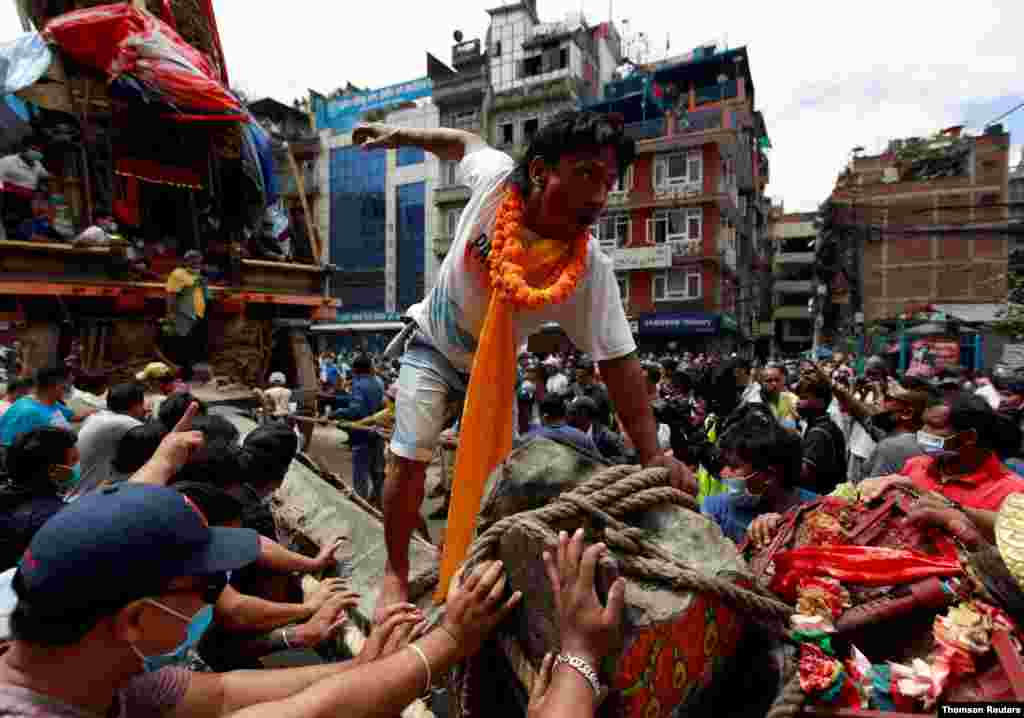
[{"x": 588, "y": 386}]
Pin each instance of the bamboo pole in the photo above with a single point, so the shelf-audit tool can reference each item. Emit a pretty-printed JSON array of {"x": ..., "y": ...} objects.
[{"x": 300, "y": 186}]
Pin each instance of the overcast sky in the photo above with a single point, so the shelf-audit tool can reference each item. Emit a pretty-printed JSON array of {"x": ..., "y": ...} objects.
[{"x": 829, "y": 75}]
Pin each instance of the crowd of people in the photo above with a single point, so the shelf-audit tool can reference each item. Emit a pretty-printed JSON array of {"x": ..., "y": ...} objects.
[{"x": 143, "y": 572}]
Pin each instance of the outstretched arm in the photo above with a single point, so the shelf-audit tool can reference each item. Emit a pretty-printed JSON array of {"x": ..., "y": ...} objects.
[{"x": 446, "y": 143}]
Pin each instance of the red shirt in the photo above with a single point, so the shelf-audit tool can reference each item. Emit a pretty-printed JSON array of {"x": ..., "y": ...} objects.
[{"x": 984, "y": 489}]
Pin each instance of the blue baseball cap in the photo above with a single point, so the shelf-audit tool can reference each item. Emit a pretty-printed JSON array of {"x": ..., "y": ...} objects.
[{"x": 120, "y": 544}]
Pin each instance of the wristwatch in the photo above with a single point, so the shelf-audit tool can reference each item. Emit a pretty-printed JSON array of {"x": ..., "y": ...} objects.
[{"x": 583, "y": 668}]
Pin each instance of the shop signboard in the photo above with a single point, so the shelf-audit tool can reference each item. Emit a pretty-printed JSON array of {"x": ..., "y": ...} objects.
[
  {"x": 680, "y": 324},
  {"x": 657, "y": 257},
  {"x": 341, "y": 114},
  {"x": 933, "y": 354},
  {"x": 375, "y": 317}
]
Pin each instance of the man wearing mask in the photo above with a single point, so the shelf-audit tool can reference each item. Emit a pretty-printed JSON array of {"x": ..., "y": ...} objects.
[
  {"x": 761, "y": 470},
  {"x": 901, "y": 418},
  {"x": 44, "y": 407},
  {"x": 20, "y": 178}
]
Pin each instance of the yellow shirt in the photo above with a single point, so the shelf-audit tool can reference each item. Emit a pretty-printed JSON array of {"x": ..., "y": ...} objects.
[{"x": 182, "y": 278}]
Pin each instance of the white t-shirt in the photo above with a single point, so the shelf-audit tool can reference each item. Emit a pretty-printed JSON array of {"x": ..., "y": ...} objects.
[
  {"x": 16, "y": 171},
  {"x": 452, "y": 315},
  {"x": 97, "y": 445}
]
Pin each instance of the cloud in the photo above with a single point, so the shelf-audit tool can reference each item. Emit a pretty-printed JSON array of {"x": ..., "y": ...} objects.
[{"x": 828, "y": 76}]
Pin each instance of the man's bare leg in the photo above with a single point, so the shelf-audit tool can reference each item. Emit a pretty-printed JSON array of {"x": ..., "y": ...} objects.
[{"x": 404, "y": 490}]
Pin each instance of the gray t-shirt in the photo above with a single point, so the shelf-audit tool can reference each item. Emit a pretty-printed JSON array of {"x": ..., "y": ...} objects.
[
  {"x": 891, "y": 454},
  {"x": 149, "y": 695},
  {"x": 97, "y": 445}
]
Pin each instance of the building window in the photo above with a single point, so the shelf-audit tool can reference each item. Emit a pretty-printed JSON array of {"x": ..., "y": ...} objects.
[
  {"x": 530, "y": 129},
  {"x": 507, "y": 134},
  {"x": 677, "y": 225},
  {"x": 497, "y": 48},
  {"x": 452, "y": 221},
  {"x": 563, "y": 58},
  {"x": 677, "y": 285},
  {"x": 449, "y": 173},
  {"x": 623, "y": 281},
  {"x": 612, "y": 230},
  {"x": 462, "y": 120},
  {"x": 410, "y": 156},
  {"x": 679, "y": 170}
]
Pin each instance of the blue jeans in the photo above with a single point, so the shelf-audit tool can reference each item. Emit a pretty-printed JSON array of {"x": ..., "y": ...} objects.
[{"x": 362, "y": 461}]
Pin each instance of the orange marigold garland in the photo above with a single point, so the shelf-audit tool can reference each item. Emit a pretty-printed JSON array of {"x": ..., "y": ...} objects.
[{"x": 508, "y": 256}]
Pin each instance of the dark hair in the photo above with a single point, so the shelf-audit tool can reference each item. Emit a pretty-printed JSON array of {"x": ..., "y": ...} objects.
[
  {"x": 29, "y": 460},
  {"x": 815, "y": 385},
  {"x": 137, "y": 447},
  {"x": 995, "y": 432},
  {"x": 362, "y": 363},
  {"x": 755, "y": 435},
  {"x": 553, "y": 406},
  {"x": 216, "y": 429},
  {"x": 21, "y": 384},
  {"x": 123, "y": 397},
  {"x": 175, "y": 406},
  {"x": 683, "y": 379},
  {"x": 217, "y": 506},
  {"x": 670, "y": 365},
  {"x": 266, "y": 454},
  {"x": 583, "y": 405},
  {"x": 571, "y": 131},
  {"x": 51, "y": 376},
  {"x": 720, "y": 387}
]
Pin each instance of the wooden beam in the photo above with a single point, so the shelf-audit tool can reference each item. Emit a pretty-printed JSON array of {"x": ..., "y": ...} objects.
[{"x": 300, "y": 185}]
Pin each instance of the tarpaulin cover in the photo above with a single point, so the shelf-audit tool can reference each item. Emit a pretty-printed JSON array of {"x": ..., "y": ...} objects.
[
  {"x": 122, "y": 40},
  {"x": 23, "y": 61},
  {"x": 265, "y": 156},
  {"x": 157, "y": 173}
]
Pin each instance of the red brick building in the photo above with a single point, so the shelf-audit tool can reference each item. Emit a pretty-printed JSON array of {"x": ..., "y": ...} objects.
[{"x": 683, "y": 224}]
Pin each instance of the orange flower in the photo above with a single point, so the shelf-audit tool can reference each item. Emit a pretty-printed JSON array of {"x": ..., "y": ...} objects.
[{"x": 508, "y": 257}]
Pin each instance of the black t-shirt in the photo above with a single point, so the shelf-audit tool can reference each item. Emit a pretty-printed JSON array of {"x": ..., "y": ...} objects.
[
  {"x": 825, "y": 449},
  {"x": 599, "y": 394},
  {"x": 17, "y": 527}
]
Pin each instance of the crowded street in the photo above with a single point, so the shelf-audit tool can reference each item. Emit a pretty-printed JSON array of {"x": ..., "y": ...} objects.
[{"x": 569, "y": 378}]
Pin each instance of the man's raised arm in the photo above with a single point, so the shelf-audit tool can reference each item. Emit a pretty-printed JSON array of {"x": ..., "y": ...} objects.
[{"x": 446, "y": 143}]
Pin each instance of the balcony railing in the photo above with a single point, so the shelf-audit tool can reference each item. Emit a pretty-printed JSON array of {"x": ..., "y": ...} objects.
[
  {"x": 646, "y": 130},
  {"x": 793, "y": 286},
  {"x": 686, "y": 248},
  {"x": 794, "y": 257}
]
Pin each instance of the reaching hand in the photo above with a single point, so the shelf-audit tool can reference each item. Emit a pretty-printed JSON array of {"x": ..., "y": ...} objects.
[
  {"x": 679, "y": 475},
  {"x": 376, "y": 136},
  {"x": 397, "y": 625},
  {"x": 325, "y": 592},
  {"x": 325, "y": 559},
  {"x": 327, "y": 621},
  {"x": 926, "y": 514},
  {"x": 475, "y": 607},
  {"x": 587, "y": 628},
  {"x": 176, "y": 450},
  {"x": 762, "y": 529},
  {"x": 871, "y": 489}
]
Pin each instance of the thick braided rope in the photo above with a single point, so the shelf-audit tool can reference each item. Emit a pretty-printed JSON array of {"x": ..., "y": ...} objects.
[{"x": 616, "y": 492}]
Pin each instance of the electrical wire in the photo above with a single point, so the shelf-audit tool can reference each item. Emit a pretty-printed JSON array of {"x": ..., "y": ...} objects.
[{"x": 1005, "y": 114}]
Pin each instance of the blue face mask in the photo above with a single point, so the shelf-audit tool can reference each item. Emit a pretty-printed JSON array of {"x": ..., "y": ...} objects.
[
  {"x": 936, "y": 446},
  {"x": 197, "y": 626},
  {"x": 736, "y": 488}
]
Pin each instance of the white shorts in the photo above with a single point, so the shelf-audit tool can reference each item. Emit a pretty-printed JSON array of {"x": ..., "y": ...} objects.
[{"x": 430, "y": 394}]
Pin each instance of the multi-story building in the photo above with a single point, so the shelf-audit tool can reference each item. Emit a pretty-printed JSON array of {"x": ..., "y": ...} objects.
[
  {"x": 684, "y": 222},
  {"x": 538, "y": 69},
  {"x": 927, "y": 223},
  {"x": 377, "y": 218},
  {"x": 1016, "y": 181},
  {"x": 792, "y": 236},
  {"x": 460, "y": 92}
]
